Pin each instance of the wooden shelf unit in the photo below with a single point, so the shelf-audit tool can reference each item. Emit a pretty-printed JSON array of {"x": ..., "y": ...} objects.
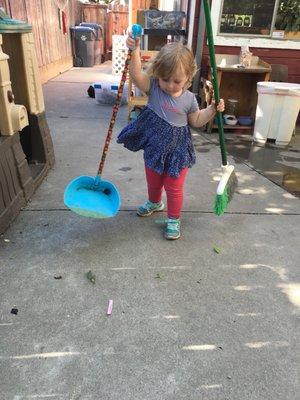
[{"x": 241, "y": 84}]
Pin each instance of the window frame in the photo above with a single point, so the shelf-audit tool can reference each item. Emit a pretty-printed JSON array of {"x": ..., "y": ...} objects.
[
  {"x": 234, "y": 39},
  {"x": 276, "y": 4}
]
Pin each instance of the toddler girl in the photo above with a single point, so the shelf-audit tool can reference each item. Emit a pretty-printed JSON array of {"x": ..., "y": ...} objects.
[{"x": 162, "y": 128}]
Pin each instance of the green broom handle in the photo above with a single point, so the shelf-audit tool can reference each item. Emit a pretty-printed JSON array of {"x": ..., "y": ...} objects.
[{"x": 212, "y": 57}]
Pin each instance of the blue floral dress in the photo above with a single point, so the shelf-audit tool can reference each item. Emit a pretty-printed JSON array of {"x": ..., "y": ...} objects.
[{"x": 167, "y": 148}]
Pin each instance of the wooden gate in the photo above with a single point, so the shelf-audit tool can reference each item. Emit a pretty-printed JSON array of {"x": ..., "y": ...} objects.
[{"x": 114, "y": 19}]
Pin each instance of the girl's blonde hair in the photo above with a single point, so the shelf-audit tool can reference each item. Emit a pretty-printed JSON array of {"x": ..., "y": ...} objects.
[{"x": 171, "y": 57}]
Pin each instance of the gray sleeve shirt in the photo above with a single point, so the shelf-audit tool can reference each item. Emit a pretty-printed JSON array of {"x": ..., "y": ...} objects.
[{"x": 174, "y": 110}]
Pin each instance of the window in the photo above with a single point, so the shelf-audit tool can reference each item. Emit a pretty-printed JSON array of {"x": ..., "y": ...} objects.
[
  {"x": 256, "y": 23},
  {"x": 288, "y": 16},
  {"x": 247, "y": 17}
]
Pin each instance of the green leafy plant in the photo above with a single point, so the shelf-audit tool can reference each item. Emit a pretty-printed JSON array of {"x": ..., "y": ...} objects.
[{"x": 288, "y": 16}]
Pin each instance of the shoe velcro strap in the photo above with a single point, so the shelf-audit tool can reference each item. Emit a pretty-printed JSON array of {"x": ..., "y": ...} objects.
[{"x": 173, "y": 225}]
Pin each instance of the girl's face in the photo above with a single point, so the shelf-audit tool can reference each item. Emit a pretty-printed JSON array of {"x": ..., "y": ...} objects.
[{"x": 175, "y": 84}]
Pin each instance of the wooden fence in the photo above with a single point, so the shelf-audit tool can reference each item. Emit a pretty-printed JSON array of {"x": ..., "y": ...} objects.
[
  {"x": 114, "y": 20},
  {"x": 53, "y": 45}
]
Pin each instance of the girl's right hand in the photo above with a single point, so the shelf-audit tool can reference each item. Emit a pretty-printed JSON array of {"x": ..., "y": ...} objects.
[{"x": 132, "y": 43}]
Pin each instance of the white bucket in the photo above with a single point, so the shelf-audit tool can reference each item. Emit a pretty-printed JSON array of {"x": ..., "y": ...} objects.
[{"x": 276, "y": 112}]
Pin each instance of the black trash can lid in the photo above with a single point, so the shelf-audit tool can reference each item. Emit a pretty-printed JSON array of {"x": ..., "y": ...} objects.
[
  {"x": 91, "y": 25},
  {"x": 98, "y": 28},
  {"x": 81, "y": 30}
]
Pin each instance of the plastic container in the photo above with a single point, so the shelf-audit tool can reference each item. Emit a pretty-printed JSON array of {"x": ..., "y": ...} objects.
[
  {"x": 276, "y": 112},
  {"x": 83, "y": 43},
  {"x": 245, "y": 120},
  {"x": 231, "y": 106},
  {"x": 155, "y": 19},
  {"x": 230, "y": 119},
  {"x": 106, "y": 92}
]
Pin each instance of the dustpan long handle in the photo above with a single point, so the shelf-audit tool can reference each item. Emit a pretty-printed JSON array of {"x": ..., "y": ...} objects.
[
  {"x": 114, "y": 113},
  {"x": 212, "y": 57},
  {"x": 136, "y": 31}
]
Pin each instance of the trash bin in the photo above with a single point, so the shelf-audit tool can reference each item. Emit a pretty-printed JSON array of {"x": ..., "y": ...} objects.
[
  {"x": 276, "y": 112},
  {"x": 83, "y": 42},
  {"x": 99, "y": 42}
]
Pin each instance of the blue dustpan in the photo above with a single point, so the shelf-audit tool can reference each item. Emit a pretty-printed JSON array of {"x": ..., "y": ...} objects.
[{"x": 91, "y": 196}]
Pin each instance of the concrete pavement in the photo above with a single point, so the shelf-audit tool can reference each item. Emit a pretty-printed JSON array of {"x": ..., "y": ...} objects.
[{"x": 187, "y": 323}]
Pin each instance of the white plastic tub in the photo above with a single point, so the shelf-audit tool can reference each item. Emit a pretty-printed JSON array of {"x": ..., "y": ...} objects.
[
  {"x": 277, "y": 110},
  {"x": 106, "y": 92}
]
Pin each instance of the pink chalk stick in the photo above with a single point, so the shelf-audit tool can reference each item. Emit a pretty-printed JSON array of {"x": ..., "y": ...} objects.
[{"x": 110, "y": 306}]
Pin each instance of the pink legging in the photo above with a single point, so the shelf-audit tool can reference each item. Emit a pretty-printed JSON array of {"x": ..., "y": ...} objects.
[{"x": 173, "y": 188}]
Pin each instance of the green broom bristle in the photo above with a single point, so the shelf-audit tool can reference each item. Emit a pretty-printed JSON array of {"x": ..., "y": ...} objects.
[
  {"x": 221, "y": 202},
  {"x": 231, "y": 186}
]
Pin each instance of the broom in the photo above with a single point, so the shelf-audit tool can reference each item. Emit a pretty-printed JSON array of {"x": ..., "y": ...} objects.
[{"x": 228, "y": 181}]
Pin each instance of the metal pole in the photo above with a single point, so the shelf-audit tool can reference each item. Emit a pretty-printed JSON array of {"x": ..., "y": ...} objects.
[
  {"x": 199, "y": 48},
  {"x": 192, "y": 7}
]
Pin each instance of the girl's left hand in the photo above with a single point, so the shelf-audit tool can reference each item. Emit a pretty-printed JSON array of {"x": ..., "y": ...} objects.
[{"x": 221, "y": 106}]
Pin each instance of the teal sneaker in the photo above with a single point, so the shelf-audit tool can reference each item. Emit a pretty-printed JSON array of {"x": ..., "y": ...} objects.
[
  {"x": 149, "y": 208},
  {"x": 172, "y": 229}
]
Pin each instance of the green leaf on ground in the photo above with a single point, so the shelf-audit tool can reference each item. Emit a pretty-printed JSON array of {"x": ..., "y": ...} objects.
[
  {"x": 159, "y": 275},
  {"x": 91, "y": 277},
  {"x": 217, "y": 249}
]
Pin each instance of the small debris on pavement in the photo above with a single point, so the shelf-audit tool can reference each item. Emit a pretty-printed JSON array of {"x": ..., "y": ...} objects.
[
  {"x": 91, "y": 277},
  {"x": 109, "y": 308},
  {"x": 217, "y": 249},
  {"x": 159, "y": 275},
  {"x": 6, "y": 240},
  {"x": 57, "y": 277},
  {"x": 14, "y": 311},
  {"x": 125, "y": 169}
]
